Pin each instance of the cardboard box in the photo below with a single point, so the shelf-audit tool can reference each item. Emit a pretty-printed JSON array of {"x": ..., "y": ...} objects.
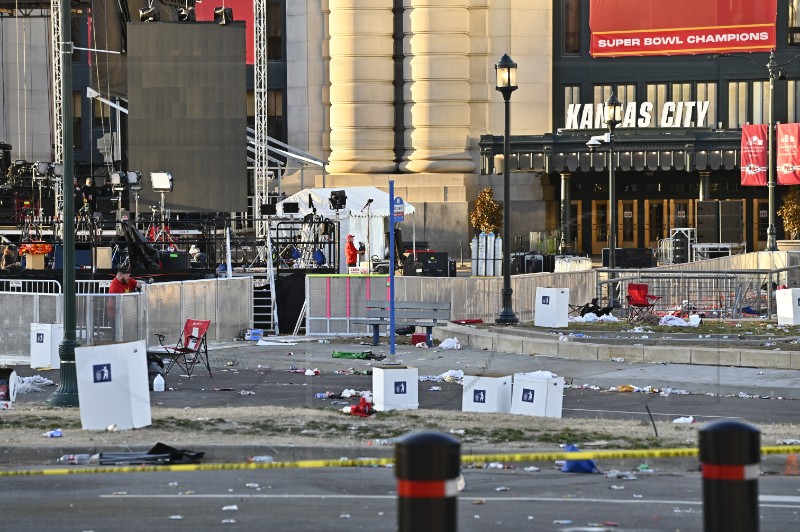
[
  {"x": 536, "y": 395},
  {"x": 34, "y": 261},
  {"x": 486, "y": 394},
  {"x": 113, "y": 387},
  {"x": 45, "y": 339},
  {"x": 103, "y": 257},
  {"x": 552, "y": 307},
  {"x": 395, "y": 388}
]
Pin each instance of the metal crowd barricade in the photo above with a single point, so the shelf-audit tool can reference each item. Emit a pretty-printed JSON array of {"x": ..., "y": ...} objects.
[
  {"x": 715, "y": 294},
  {"x": 103, "y": 318}
]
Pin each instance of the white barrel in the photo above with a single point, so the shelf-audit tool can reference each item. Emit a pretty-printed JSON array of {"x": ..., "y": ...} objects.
[
  {"x": 498, "y": 257},
  {"x": 490, "y": 238},
  {"x": 482, "y": 254}
]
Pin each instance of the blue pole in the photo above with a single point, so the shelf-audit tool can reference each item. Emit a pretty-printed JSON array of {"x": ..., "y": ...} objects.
[{"x": 391, "y": 269}]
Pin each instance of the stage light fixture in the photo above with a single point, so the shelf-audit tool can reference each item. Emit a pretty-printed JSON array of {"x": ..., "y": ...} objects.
[
  {"x": 57, "y": 169},
  {"x": 223, "y": 15},
  {"x": 338, "y": 199},
  {"x": 117, "y": 181},
  {"x": 135, "y": 180},
  {"x": 149, "y": 14},
  {"x": 42, "y": 168},
  {"x": 161, "y": 181}
]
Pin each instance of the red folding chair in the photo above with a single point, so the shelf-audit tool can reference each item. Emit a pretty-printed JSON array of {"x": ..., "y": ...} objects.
[
  {"x": 191, "y": 348},
  {"x": 640, "y": 302}
]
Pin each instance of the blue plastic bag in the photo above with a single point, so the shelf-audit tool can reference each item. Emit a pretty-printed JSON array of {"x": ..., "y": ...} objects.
[{"x": 578, "y": 466}]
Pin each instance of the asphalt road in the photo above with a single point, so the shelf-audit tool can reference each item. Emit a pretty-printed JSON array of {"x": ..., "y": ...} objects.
[{"x": 365, "y": 499}]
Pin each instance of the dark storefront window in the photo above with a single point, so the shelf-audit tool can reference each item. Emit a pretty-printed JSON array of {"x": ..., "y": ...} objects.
[
  {"x": 794, "y": 22},
  {"x": 572, "y": 26},
  {"x": 707, "y": 92},
  {"x": 572, "y": 96},
  {"x": 737, "y": 103},
  {"x": 77, "y": 121},
  {"x": 275, "y": 114},
  {"x": 274, "y": 30}
]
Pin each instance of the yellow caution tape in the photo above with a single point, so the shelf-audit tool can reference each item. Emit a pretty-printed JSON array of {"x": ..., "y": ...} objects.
[{"x": 374, "y": 462}]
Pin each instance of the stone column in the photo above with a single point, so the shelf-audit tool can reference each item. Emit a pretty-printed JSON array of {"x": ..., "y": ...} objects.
[
  {"x": 566, "y": 218},
  {"x": 362, "y": 93},
  {"x": 437, "y": 93},
  {"x": 704, "y": 187}
]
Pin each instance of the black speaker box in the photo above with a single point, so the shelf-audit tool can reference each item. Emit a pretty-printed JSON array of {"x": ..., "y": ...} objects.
[
  {"x": 174, "y": 260},
  {"x": 534, "y": 263},
  {"x": 291, "y": 207},
  {"x": 708, "y": 222},
  {"x": 631, "y": 258},
  {"x": 269, "y": 209},
  {"x": 434, "y": 263},
  {"x": 731, "y": 221}
]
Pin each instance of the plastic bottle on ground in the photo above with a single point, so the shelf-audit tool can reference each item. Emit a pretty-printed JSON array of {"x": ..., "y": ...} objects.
[
  {"x": 158, "y": 383},
  {"x": 74, "y": 459}
]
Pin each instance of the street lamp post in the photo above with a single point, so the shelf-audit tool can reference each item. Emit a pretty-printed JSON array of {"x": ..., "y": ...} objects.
[
  {"x": 66, "y": 394},
  {"x": 772, "y": 67},
  {"x": 506, "y": 71},
  {"x": 613, "y": 116}
]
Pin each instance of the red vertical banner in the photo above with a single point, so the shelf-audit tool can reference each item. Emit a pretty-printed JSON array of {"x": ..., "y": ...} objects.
[
  {"x": 754, "y": 155},
  {"x": 788, "y": 165}
]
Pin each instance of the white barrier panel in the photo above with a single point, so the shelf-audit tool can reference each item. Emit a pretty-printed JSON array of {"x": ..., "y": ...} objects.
[
  {"x": 537, "y": 395},
  {"x": 788, "y": 303},
  {"x": 112, "y": 386},
  {"x": 552, "y": 307},
  {"x": 572, "y": 264},
  {"x": 395, "y": 388},
  {"x": 45, "y": 339},
  {"x": 486, "y": 394}
]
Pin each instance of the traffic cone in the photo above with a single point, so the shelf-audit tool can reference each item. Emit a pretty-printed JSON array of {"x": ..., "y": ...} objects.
[{"x": 791, "y": 466}]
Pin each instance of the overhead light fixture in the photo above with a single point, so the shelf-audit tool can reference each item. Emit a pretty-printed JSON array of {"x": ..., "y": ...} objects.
[
  {"x": 223, "y": 15},
  {"x": 135, "y": 180},
  {"x": 161, "y": 181},
  {"x": 57, "y": 169},
  {"x": 338, "y": 200},
  {"x": 149, "y": 14},
  {"x": 42, "y": 170},
  {"x": 118, "y": 181}
]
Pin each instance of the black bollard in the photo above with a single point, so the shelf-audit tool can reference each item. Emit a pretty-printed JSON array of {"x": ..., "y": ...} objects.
[
  {"x": 730, "y": 452},
  {"x": 427, "y": 465}
]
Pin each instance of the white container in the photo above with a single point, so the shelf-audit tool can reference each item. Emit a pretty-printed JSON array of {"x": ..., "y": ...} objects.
[
  {"x": 486, "y": 394},
  {"x": 45, "y": 339},
  {"x": 158, "y": 383},
  {"x": 113, "y": 387},
  {"x": 787, "y": 302},
  {"x": 552, "y": 307},
  {"x": 395, "y": 388},
  {"x": 537, "y": 395}
]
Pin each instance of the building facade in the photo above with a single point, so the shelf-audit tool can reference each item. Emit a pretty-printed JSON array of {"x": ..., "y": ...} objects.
[{"x": 677, "y": 147}]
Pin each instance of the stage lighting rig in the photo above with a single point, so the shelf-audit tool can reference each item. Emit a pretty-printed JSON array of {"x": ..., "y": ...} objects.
[
  {"x": 135, "y": 180},
  {"x": 161, "y": 181},
  {"x": 118, "y": 180}
]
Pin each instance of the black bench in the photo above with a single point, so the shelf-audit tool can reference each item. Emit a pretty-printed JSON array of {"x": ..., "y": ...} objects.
[{"x": 426, "y": 314}]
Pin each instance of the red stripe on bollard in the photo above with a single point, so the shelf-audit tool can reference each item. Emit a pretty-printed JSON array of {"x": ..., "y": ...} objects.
[
  {"x": 730, "y": 472},
  {"x": 426, "y": 489}
]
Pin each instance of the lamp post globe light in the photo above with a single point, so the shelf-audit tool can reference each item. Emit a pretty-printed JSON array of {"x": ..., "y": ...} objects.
[
  {"x": 506, "y": 71},
  {"x": 613, "y": 117}
]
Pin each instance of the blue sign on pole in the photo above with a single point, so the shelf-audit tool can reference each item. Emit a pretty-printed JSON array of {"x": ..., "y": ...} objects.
[{"x": 399, "y": 209}]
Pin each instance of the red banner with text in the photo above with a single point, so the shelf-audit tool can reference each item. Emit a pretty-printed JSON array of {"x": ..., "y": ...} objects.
[
  {"x": 754, "y": 155},
  {"x": 681, "y": 27},
  {"x": 788, "y": 164}
]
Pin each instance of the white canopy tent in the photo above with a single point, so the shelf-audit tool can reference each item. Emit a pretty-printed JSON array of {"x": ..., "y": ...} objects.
[{"x": 365, "y": 215}]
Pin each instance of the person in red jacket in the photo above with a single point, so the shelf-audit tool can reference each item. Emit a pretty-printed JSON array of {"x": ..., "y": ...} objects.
[
  {"x": 122, "y": 283},
  {"x": 350, "y": 252}
]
